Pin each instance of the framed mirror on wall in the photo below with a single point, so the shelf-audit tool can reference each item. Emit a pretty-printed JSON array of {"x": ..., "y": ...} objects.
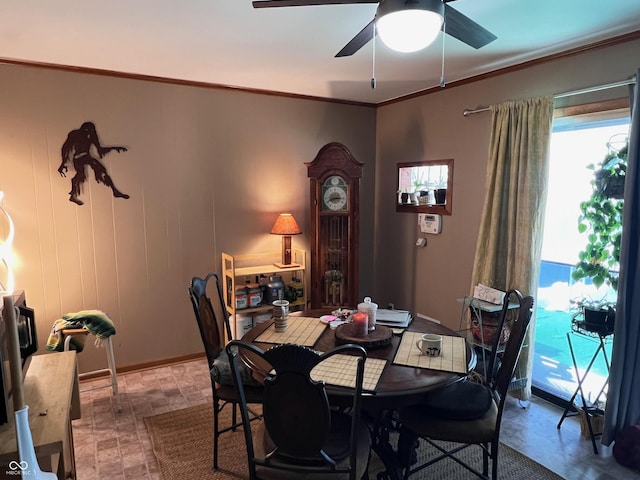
[{"x": 425, "y": 187}]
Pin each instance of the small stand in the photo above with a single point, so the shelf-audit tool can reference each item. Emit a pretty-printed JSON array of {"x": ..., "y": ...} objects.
[
  {"x": 590, "y": 410},
  {"x": 478, "y": 306}
]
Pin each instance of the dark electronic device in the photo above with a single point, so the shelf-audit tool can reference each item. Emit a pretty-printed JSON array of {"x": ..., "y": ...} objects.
[{"x": 28, "y": 346}]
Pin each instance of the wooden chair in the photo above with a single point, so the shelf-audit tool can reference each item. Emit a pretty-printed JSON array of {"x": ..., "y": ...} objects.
[
  {"x": 301, "y": 435},
  {"x": 213, "y": 323},
  {"x": 468, "y": 413}
]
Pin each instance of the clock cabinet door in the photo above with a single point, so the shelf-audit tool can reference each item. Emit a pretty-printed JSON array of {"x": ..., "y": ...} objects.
[{"x": 333, "y": 256}]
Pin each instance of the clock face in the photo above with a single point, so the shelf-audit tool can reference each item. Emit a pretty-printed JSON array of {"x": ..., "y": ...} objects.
[{"x": 334, "y": 194}]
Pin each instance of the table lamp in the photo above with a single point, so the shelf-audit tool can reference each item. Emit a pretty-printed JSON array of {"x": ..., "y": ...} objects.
[
  {"x": 286, "y": 226},
  {"x": 6, "y": 249}
]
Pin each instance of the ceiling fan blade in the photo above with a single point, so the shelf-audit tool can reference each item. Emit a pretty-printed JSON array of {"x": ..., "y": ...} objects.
[
  {"x": 466, "y": 30},
  {"x": 305, "y": 3},
  {"x": 360, "y": 40},
  {"x": 458, "y": 25}
]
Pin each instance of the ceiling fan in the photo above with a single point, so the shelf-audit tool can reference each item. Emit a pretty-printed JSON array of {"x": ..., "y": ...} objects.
[{"x": 456, "y": 24}]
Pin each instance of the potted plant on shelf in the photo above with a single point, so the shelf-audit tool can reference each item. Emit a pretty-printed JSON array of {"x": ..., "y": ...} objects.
[
  {"x": 601, "y": 218},
  {"x": 413, "y": 194},
  {"x": 420, "y": 195},
  {"x": 419, "y": 188},
  {"x": 440, "y": 191},
  {"x": 403, "y": 197}
]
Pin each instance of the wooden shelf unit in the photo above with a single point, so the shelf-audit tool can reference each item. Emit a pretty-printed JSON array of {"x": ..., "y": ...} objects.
[
  {"x": 238, "y": 269},
  {"x": 52, "y": 394}
]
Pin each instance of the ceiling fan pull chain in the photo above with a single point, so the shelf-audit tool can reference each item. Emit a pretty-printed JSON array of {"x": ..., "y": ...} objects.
[
  {"x": 444, "y": 32},
  {"x": 373, "y": 68}
]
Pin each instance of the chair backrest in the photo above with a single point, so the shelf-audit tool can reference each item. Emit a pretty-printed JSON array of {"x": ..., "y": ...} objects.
[
  {"x": 496, "y": 347},
  {"x": 212, "y": 316},
  {"x": 500, "y": 383},
  {"x": 296, "y": 411}
]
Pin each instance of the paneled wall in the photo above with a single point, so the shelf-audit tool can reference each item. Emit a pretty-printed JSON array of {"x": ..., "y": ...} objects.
[{"x": 207, "y": 170}]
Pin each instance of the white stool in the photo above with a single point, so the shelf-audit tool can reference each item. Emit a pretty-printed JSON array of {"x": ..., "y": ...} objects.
[{"x": 68, "y": 333}]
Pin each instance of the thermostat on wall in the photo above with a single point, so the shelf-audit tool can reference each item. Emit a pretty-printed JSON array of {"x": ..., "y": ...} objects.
[{"x": 430, "y": 223}]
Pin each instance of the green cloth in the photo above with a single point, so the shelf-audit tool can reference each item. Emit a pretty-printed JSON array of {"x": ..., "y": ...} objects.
[{"x": 97, "y": 322}]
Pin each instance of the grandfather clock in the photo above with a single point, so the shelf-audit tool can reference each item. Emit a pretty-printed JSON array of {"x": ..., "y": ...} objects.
[{"x": 335, "y": 180}]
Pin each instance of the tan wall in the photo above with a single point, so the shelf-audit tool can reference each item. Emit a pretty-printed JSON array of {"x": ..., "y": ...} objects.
[
  {"x": 207, "y": 171},
  {"x": 429, "y": 280}
]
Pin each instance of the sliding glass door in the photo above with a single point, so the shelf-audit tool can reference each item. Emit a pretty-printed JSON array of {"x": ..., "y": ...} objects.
[{"x": 576, "y": 142}]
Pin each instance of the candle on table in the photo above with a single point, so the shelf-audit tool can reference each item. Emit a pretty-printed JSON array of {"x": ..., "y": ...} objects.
[{"x": 360, "y": 319}]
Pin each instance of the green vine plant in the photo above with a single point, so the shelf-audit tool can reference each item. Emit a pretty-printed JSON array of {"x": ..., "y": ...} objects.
[{"x": 601, "y": 219}]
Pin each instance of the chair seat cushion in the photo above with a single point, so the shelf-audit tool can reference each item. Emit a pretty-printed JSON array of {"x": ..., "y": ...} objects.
[
  {"x": 463, "y": 400},
  {"x": 221, "y": 373},
  {"x": 480, "y": 430}
]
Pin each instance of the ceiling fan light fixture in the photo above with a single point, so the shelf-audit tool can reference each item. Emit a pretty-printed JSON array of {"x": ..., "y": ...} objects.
[{"x": 409, "y": 26}]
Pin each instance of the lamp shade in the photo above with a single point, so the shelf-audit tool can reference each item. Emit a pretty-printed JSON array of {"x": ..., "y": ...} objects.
[
  {"x": 409, "y": 26},
  {"x": 285, "y": 225}
]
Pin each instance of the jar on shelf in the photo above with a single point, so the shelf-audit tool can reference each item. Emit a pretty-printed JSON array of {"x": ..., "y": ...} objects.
[
  {"x": 275, "y": 289},
  {"x": 254, "y": 295},
  {"x": 370, "y": 309},
  {"x": 244, "y": 323},
  {"x": 263, "y": 281},
  {"x": 241, "y": 297},
  {"x": 295, "y": 290}
]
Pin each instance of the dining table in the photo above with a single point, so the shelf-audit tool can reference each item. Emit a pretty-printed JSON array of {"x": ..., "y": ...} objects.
[{"x": 400, "y": 375}]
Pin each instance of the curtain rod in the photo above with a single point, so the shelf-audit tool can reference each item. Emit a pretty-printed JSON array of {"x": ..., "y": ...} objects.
[{"x": 571, "y": 93}]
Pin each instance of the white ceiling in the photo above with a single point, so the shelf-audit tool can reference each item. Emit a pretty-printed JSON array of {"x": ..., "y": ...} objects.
[{"x": 292, "y": 49}]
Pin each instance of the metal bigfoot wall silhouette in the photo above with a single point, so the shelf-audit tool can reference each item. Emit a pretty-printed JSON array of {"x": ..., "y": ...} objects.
[{"x": 81, "y": 148}]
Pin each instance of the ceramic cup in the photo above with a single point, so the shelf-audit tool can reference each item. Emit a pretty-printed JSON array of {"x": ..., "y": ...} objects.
[
  {"x": 281, "y": 325},
  {"x": 280, "y": 308},
  {"x": 280, "y": 314},
  {"x": 430, "y": 344}
]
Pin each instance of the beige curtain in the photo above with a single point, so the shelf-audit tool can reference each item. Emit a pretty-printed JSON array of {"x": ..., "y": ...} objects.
[{"x": 510, "y": 237}]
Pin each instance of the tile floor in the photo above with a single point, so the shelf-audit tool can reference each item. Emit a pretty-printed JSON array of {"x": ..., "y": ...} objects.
[{"x": 115, "y": 445}]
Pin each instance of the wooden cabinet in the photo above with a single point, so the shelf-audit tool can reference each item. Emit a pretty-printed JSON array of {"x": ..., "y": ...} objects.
[
  {"x": 51, "y": 391},
  {"x": 240, "y": 270}
]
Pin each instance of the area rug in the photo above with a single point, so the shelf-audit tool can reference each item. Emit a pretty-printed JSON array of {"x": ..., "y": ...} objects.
[{"x": 183, "y": 447}]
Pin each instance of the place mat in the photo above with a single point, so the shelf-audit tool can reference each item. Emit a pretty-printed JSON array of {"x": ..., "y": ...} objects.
[
  {"x": 300, "y": 330},
  {"x": 453, "y": 357},
  {"x": 340, "y": 370}
]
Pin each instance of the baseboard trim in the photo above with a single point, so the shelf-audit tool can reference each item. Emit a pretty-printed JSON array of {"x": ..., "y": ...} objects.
[{"x": 138, "y": 367}]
